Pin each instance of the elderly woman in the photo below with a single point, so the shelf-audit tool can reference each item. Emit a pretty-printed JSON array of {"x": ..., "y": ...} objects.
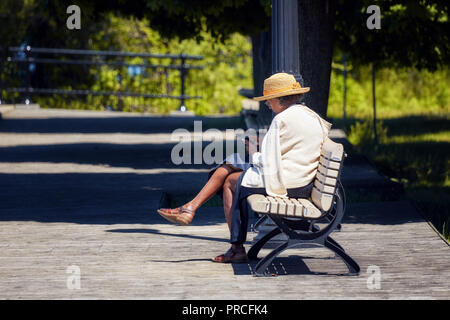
[{"x": 285, "y": 166}]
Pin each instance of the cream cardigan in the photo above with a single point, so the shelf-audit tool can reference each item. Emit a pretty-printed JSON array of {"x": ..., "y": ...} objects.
[{"x": 290, "y": 152}]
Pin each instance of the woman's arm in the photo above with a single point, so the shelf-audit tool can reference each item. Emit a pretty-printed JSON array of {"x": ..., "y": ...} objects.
[{"x": 269, "y": 161}]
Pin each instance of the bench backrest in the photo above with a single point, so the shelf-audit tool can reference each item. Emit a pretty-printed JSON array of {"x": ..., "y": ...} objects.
[
  {"x": 322, "y": 195},
  {"x": 330, "y": 166}
]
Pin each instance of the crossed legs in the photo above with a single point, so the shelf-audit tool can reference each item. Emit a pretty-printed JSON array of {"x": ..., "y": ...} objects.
[
  {"x": 229, "y": 189},
  {"x": 224, "y": 177}
]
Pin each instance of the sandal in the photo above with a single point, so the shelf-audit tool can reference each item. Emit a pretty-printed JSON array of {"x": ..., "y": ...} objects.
[
  {"x": 179, "y": 215},
  {"x": 231, "y": 257}
]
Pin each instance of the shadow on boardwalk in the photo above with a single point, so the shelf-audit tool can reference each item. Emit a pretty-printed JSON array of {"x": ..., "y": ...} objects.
[
  {"x": 103, "y": 122},
  {"x": 75, "y": 189},
  {"x": 119, "y": 198}
]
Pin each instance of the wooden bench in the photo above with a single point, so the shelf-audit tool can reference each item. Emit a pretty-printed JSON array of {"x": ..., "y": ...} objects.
[{"x": 299, "y": 219}]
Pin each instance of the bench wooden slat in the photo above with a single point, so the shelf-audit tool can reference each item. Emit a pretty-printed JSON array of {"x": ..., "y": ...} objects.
[
  {"x": 281, "y": 206},
  {"x": 259, "y": 203},
  {"x": 302, "y": 208},
  {"x": 323, "y": 188},
  {"x": 332, "y": 150},
  {"x": 298, "y": 208},
  {"x": 273, "y": 205},
  {"x": 326, "y": 180},
  {"x": 329, "y": 163},
  {"x": 290, "y": 207},
  {"x": 310, "y": 210},
  {"x": 328, "y": 172},
  {"x": 321, "y": 200}
]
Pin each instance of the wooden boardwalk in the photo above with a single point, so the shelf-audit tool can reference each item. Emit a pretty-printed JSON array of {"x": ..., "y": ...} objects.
[{"x": 77, "y": 196}]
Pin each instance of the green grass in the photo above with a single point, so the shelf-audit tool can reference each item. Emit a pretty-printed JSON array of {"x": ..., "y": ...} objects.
[
  {"x": 415, "y": 151},
  {"x": 413, "y": 109}
]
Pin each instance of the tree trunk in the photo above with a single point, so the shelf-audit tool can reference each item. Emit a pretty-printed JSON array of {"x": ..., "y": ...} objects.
[{"x": 316, "y": 38}]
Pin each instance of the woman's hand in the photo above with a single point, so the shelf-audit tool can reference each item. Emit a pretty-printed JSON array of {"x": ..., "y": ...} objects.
[{"x": 251, "y": 145}]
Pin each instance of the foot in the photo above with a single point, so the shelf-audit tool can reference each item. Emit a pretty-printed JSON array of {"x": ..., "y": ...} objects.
[
  {"x": 233, "y": 255},
  {"x": 181, "y": 215}
]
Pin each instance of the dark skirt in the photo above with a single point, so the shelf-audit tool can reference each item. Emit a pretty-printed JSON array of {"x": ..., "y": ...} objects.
[{"x": 240, "y": 210}]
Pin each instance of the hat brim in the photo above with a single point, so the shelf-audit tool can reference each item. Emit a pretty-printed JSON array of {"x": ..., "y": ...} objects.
[{"x": 282, "y": 94}]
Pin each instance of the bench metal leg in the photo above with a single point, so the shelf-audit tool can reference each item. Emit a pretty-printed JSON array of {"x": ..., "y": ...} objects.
[
  {"x": 299, "y": 234},
  {"x": 331, "y": 240},
  {"x": 352, "y": 266},
  {"x": 259, "y": 222},
  {"x": 254, "y": 250},
  {"x": 260, "y": 269}
]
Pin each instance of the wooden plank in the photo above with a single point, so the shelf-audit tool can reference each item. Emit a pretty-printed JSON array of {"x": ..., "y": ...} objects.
[
  {"x": 281, "y": 206},
  {"x": 328, "y": 172},
  {"x": 311, "y": 210},
  {"x": 259, "y": 203},
  {"x": 323, "y": 188},
  {"x": 125, "y": 250},
  {"x": 326, "y": 180},
  {"x": 321, "y": 200},
  {"x": 290, "y": 207},
  {"x": 330, "y": 164},
  {"x": 298, "y": 208},
  {"x": 273, "y": 205},
  {"x": 332, "y": 150}
]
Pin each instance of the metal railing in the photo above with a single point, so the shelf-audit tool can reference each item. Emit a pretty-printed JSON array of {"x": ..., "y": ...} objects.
[{"x": 31, "y": 56}]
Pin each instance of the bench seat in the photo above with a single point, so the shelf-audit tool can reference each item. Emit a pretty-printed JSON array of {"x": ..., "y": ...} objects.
[
  {"x": 327, "y": 202},
  {"x": 289, "y": 207}
]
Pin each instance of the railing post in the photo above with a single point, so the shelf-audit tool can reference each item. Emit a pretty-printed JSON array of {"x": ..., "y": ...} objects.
[
  {"x": 344, "y": 58},
  {"x": 2, "y": 56},
  {"x": 28, "y": 75},
  {"x": 182, "y": 78},
  {"x": 374, "y": 107},
  {"x": 27, "y": 67}
]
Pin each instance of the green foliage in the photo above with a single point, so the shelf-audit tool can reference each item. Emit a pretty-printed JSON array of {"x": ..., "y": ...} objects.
[
  {"x": 227, "y": 68},
  {"x": 412, "y": 34},
  {"x": 413, "y": 108},
  {"x": 220, "y": 18},
  {"x": 434, "y": 203},
  {"x": 362, "y": 134},
  {"x": 22, "y": 11},
  {"x": 421, "y": 162},
  {"x": 399, "y": 92},
  {"x": 413, "y": 150}
]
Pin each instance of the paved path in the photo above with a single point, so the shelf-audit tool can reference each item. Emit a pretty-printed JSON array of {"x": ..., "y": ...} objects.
[{"x": 78, "y": 192}]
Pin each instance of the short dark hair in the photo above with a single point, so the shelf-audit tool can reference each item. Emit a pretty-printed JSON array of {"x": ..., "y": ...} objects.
[{"x": 286, "y": 101}]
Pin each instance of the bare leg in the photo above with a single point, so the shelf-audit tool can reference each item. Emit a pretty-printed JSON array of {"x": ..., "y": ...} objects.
[
  {"x": 236, "y": 254},
  {"x": 229, "y": 188},
  {"x": 184, "y": 214},
  {"x": 214, "y": 184}
]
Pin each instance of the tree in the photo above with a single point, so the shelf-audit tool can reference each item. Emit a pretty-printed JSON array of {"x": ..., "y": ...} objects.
[
  {"x": 413, "y": 32},
  {"x": 316, "y": 32},
  {"x": 42, "y": 22}
]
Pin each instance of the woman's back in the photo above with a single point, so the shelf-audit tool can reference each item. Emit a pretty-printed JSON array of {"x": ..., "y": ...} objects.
[{"x": 301, "y": 136}]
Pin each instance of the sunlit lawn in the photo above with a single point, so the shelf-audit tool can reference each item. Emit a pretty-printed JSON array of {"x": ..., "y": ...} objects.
[{"x": 415, "y": 151}]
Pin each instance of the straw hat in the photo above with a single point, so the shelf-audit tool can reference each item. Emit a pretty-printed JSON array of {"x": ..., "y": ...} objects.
[{"x": 280, "y": 85}]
